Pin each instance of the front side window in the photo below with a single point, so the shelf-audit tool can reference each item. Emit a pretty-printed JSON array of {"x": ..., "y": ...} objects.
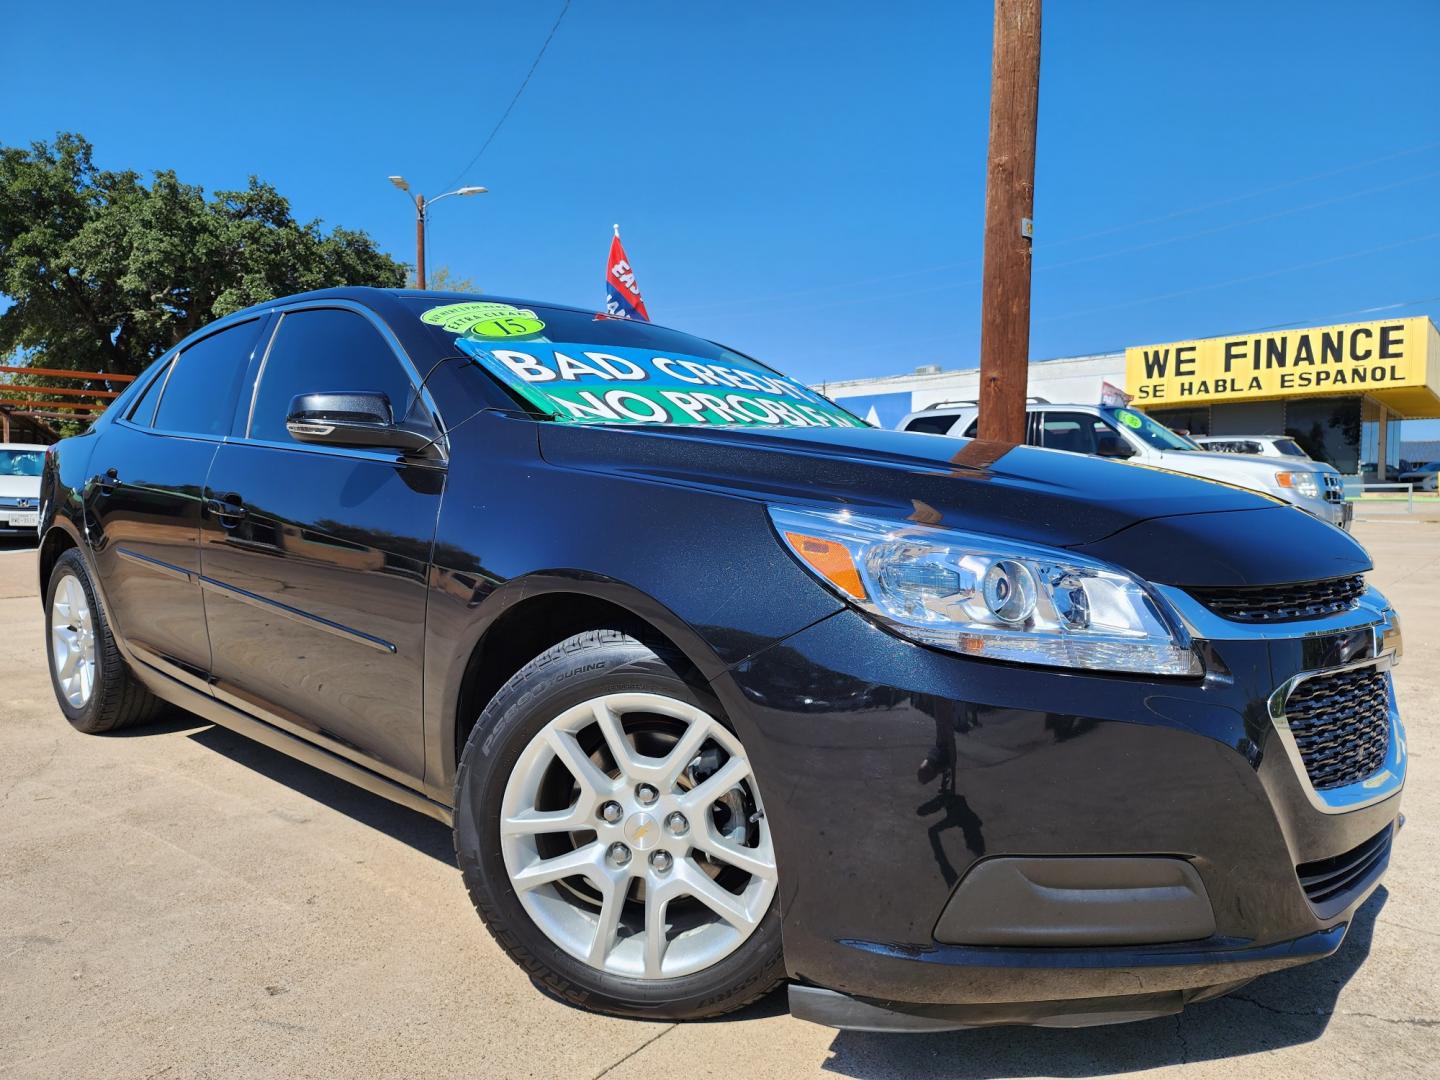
[
  {"x": 327, "y": 350},
  {"x": 199, "y": 396},
  {"x": 1289, "y": 448}
]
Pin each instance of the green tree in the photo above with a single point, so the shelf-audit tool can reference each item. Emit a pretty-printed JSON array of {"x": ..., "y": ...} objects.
[
  {"x": 444, "y": 279},
  {"x": 104, "y": 273}
]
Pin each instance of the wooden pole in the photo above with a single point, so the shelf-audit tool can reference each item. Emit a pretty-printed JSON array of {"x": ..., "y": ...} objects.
[{"x": 1009, "y": 207}]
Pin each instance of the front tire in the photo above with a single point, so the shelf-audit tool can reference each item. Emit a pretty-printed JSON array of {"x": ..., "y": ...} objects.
[
  {"x": 609, "y": 828},
  {"x": 95, "y": 690}
]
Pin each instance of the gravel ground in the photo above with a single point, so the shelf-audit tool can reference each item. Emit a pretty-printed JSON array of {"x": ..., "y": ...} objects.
[{"x": 181, "y": 902}]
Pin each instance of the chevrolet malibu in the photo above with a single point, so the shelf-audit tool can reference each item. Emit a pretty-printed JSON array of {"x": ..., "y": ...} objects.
[{"x": 720, "y": 687}]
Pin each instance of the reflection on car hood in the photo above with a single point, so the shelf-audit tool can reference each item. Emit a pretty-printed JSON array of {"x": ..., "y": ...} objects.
[
  {"x": 1167, "y": 528},
  {"x": 1198, "y": 461},
  {"x": 1043, "y": 496}
]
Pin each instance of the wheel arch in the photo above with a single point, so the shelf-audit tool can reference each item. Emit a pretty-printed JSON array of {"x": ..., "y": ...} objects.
[
  {"x": 60, "y": 538},
  {"x": 525, "y": 617}
]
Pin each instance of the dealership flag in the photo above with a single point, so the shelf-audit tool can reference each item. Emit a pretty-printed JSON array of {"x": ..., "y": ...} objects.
[{"x": 622, "y": 294}]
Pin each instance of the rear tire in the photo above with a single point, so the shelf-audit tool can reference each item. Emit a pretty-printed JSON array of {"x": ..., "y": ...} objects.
[
  {"x": 677, "y": 873},
  {"x": 93, "y": 686}
]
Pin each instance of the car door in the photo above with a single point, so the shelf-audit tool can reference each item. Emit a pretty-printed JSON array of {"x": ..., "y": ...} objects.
[
  {"x": 315, "y": 558},
  {"x": 143, "y": 502}
]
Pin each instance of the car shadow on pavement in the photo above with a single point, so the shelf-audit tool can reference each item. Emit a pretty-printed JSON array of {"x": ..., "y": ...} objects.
[
  {"x": 425, "y": 835},
  {"x": 1284, "y": 1009}
]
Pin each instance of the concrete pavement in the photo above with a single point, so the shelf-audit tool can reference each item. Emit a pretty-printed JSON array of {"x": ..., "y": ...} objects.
[{"x": 181, "y": 902}]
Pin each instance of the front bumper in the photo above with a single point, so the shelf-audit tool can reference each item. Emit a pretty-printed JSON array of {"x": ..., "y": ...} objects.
[{"x": 892, "y": 771}]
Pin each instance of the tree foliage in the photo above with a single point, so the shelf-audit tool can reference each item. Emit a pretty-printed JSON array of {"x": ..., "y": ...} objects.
[{"x": 104, "y": 273}]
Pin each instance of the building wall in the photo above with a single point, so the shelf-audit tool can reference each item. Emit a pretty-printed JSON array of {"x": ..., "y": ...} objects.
[{"x": 885, "y": 400}]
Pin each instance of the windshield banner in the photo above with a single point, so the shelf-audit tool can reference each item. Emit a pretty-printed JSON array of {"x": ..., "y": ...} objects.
[{"x": 618, "y": 385}]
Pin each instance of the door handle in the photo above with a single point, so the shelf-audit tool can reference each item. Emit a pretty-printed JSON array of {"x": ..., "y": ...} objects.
[
  {"x": 230, "y": 510},
  {"x": 108, "y": 481}
]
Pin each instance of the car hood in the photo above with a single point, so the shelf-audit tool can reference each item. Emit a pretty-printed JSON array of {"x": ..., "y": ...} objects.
[
  {"x": 1019, "y": 492},
  {"x": 1205, "y": 462},
  {"x": 12, "y": 487}
]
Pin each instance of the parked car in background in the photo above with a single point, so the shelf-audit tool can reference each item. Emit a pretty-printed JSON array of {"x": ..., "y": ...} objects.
[
  {"x": 1425, "y": 476},
  {"x": 1129, "y": 435},
  {"x": 20, "y": 467},
  {"x": 1263, "y": 445},
  {"x": 718, "y": 684}
]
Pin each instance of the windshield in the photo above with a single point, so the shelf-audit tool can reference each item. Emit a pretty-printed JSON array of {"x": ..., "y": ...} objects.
[
  {"x": 576, "y": 367},
  {"x": 21, "y": 462},
  {"x": 1151, "y": 432}
]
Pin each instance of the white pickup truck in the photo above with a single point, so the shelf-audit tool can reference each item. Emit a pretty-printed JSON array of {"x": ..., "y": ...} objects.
[{"x": 1118, "y": 432}]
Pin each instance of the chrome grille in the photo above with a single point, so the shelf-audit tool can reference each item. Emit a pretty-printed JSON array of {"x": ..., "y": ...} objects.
[
  {"x": 1334, "y": 487},
  {"x": 1282, "y": 603},
  {"x": 1341, "y": 725}
]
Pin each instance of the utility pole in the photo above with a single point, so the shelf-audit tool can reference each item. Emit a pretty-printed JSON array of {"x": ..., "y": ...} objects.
[{"x": 1009, "y": 208}]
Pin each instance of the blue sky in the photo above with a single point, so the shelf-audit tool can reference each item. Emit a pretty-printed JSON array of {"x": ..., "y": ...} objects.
[{"x": 805, "y": 181}]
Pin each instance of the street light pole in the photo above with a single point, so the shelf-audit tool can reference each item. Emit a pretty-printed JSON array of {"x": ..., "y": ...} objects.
[
  {"x": 422, "y": 208},
  {"x": 419, "y": 241},
  {"x": 1009, "y": 207}
]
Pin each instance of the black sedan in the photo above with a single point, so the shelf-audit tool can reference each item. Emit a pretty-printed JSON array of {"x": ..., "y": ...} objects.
[{"x": 720, "y": 686}]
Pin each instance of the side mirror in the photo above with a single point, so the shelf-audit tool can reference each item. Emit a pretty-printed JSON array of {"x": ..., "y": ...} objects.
[
  {"x": 358, "y": 418},
  {"x": 1113, "y": 446}
]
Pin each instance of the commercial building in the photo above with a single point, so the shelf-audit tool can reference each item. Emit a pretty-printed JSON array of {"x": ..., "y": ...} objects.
[{"x": 1341, "y": 391}]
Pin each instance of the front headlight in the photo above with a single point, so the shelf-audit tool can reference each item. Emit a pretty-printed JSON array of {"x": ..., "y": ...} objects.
[
  {"x": 984, "y": 596},
  {"x": 1302, "y": 483}
]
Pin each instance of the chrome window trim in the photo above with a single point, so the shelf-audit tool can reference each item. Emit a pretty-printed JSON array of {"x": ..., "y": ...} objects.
[
  {"x": 1390, "y": 777},
  {"x": 397, "y": 350}
]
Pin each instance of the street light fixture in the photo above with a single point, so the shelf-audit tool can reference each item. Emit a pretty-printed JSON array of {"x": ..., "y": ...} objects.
[{"x": 422, "y": 207}]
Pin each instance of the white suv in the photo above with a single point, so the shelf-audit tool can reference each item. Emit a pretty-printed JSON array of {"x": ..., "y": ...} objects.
[
  {"x": 1130, "y": 435},
  {"x": 20, "y": 466}
]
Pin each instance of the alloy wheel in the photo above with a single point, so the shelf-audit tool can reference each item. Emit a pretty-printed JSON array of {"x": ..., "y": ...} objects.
[
  {"x": 634, "y": 836},
  {"x": 72, "y": 641}
]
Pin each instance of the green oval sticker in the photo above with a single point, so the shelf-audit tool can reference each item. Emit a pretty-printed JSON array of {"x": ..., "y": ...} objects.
[
  {"x": 508, "y": 326},
  {"x": 474, "y": 315},
  {"x": 1130, "y": 420}
]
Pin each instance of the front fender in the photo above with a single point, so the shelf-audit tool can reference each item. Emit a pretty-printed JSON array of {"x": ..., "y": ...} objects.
[{"x": 703, "y": 568}]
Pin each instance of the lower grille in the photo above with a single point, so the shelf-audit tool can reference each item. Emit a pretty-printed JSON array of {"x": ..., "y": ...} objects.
[
  {"x": 1283, "y": 603},
  {"x": 1341, "y": 725},
  {"x": 1330, "y": 884}
]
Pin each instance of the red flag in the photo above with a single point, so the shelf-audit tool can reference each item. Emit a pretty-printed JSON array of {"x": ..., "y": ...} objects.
[{"x": 622, "y": 292}]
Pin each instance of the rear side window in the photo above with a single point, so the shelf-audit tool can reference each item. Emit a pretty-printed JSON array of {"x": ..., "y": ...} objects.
[
  {"x": 328, "y": 349},
  {"x": 144, "y": 410},
  {"x": 1074, "y": 432},
  {"x": 199, "y": 397},
  {"x": 1234, "y": 446},
  {"x": 931, "y": 425}
]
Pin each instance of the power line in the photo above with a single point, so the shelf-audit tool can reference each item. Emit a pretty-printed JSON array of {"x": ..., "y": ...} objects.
[
  {"x": 1239, "y": 224},
  {"x": 1044, "y": 247},
  {"x": 1256, "y": 193},
  {"x": 523, "y": 83},
  {"x": 1247, "y": 278}
]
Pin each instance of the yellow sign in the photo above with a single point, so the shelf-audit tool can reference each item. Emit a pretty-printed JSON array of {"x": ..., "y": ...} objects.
[{"x": 1396, "y": 361}]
